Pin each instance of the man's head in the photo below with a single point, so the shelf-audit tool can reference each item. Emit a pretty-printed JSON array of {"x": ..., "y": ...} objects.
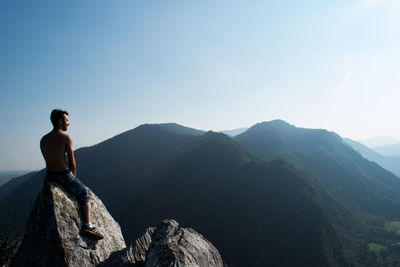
[{"x": 59, "y": 119}]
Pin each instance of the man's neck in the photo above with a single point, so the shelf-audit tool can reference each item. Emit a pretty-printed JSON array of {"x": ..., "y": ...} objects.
[{"x": 57, "y": 130}]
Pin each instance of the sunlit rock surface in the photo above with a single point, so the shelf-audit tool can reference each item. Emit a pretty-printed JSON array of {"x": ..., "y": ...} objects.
[
  {"x": 167, "y": 245},
  {"x": 52, "y": 234}
]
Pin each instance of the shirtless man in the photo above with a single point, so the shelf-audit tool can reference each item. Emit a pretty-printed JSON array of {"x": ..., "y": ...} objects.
[{"x": 54, "y": 145}]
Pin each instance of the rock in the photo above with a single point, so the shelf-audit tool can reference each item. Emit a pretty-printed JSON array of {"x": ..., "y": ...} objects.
[
  {"x": 52, "y": 234},
  {"x": 52, "y": 238},
  {"x": 167, "y": 245}
]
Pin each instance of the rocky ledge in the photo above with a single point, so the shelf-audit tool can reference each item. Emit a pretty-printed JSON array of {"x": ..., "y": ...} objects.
[{"x": 52, "y": 238}]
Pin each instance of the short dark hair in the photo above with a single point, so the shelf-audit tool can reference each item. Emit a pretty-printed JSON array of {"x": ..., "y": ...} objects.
[{"x": 56, "y": 115}]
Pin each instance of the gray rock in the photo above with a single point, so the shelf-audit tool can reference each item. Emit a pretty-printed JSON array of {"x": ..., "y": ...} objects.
[
  {"x": 52, "y": 234},
  {"x": 167, "y": 245}
]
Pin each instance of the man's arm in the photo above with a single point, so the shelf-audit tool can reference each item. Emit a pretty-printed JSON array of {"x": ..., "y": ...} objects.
[{"x": 70, "y": 154}]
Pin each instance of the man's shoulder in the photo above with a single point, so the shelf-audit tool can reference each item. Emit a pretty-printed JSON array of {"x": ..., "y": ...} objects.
[
  {"x": 44, "y": 137},
  {"x": 67, "y": 139},
  {"x": 64, "y": 135},
  {"x": 57, "y": 135}
]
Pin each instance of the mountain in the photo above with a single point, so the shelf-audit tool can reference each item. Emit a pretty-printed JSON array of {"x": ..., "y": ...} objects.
[
  {"x": 6, "y": 176},
  {"x": 269, "y": 209},
  {"x": 364, "y": 188},
  {"x": 391, "y": 163},
  {"x": 234, "y": 132},
  {"x": 274, "y": 195},
  {"x": 380, "y": 140},
  {"x": 344, "y": 172},
  {"x": 388, "y": 150},
  {"x": 12, "y": 184},
  {"x": 179, "y": 129},
  {"x": 197, "y": 180},
  {"x": 256, "y": 212}
]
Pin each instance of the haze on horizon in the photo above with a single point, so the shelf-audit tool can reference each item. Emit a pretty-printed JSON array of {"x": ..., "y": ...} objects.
[{"x": 210, "y": 65}]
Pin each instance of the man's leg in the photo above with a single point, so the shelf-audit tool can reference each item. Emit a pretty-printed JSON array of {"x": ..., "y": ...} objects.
[
  {"x": 76, "y": 187},
  {"x": 87, "y": 213},
  {"x": 88, "y": 227}
]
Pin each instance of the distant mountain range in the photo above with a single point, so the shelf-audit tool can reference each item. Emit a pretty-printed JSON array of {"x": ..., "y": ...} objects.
[
  {"x": 391, "y": 163},
  {"x": 234, "y": 132},
  {"x": 378, "y": 141},
  {"x": 388, "y": 150},
  {"x": 273, "y": 195}
]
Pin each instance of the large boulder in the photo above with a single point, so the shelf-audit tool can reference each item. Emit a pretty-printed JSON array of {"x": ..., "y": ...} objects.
[
  {"x": 167, "y": 244},
  {"x": 52, "y": 233}
]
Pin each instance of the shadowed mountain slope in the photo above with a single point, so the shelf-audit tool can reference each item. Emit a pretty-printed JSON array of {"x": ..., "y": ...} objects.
[
  {"x": 272, "y": 201},
  {"x": 213, "y": 184},
  {"x": 368, "y": 195},
  {"x": 130, "y": 161}
]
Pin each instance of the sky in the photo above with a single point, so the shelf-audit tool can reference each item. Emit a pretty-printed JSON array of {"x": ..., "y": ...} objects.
[{"x": 210, "y": 65}]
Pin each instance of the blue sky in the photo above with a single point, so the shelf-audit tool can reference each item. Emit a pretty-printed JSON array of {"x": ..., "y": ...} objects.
[{"x": 211, "y": 65}]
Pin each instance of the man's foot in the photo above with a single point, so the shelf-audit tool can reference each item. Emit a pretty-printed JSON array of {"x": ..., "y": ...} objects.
[{"x": 91, "y": 232}]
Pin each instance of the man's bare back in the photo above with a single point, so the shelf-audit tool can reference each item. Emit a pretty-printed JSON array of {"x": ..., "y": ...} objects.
[{"x": 55, "y": 145}]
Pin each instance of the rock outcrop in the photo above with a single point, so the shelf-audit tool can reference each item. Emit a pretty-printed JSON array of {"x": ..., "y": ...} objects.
[
  {"x": 52, "y": 233},
  {"x": 167, "y": 244},
  {"x": 52, "y": 238}
]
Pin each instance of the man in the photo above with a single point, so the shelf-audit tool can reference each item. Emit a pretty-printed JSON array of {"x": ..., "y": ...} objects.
[{"x": 54, "y": 146}]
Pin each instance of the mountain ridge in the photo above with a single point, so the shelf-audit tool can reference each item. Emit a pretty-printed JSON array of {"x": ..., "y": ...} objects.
[
  {"x": 159, "y": 172},
  {"x": 313, "y": 148}
]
